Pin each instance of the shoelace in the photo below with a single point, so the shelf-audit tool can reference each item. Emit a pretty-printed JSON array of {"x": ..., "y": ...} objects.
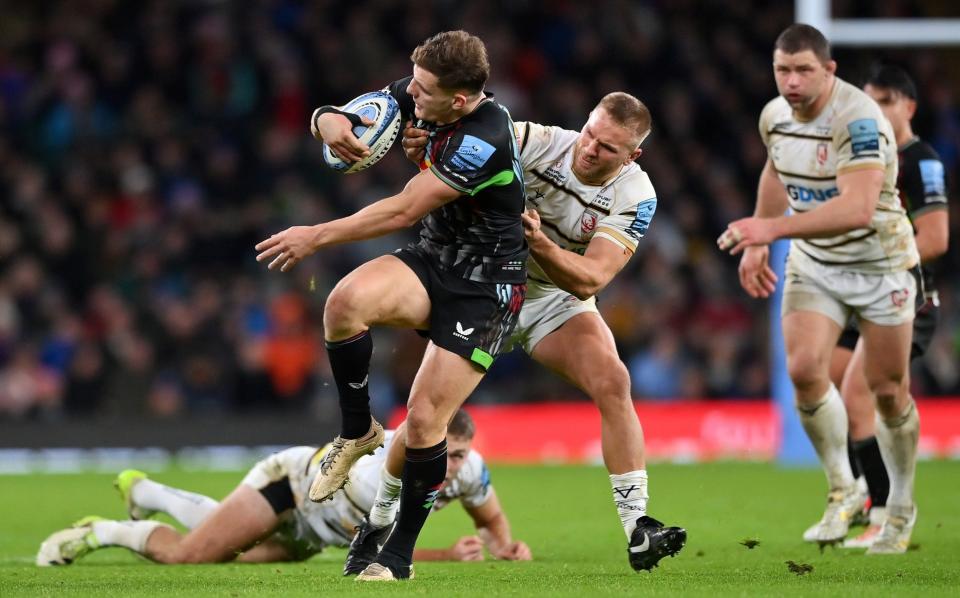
[{"x": 330, "y": 458}]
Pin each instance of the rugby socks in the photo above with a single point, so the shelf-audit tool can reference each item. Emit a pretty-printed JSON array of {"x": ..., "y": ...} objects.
[
  {"x": 897, "y": 439},
  {"x": 870, "y": 461},
  {"x": 826, "y": 426},
  {"x": 188, "y": 508},
  {"x": 630, "y": 496},
  {"x": 423, "y": 475},
  {"x": 387, "y": 501},
  {"x": 129, "y": 534},
  {"x": 852, "y": 454},
  {"x": 350, "y": 363}
]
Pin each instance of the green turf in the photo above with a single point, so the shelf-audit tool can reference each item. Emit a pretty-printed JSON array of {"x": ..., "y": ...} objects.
[{"x": 564, "y": 513}]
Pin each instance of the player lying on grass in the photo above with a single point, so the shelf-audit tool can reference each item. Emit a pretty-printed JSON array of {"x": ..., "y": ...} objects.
[{"x": 268, "y": 517}]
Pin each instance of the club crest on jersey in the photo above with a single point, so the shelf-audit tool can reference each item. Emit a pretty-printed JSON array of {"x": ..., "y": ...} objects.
[
  {"x": 588, "y": 222},
  {"x": 821, "y": 153}
]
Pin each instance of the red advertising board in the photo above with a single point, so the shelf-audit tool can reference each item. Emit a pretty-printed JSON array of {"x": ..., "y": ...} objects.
[{"x": 682, "y": 431}]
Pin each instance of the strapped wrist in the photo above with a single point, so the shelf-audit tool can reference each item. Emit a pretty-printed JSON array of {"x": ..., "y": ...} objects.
[{"x": 353, "y": 118}]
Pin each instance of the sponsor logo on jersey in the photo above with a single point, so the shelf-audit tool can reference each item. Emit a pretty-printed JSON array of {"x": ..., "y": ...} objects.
[
  {"x": 931, "y": 173},
  {"x": 864, "y": 136},
  {"x": 472, "y": 154},
  {"x": 554, "y": 175},
  {"x": 800, "y": 193}
]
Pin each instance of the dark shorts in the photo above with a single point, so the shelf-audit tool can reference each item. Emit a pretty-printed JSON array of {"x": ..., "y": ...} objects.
[
  {"x": 924, "y": 325},
  {"x": 472, "y": 319}
]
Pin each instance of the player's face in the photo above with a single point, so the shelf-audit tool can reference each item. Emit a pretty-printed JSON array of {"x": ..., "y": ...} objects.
[
  {"x": 602, "y": 148},
  {"x": 897, "y": 107},
  {"x": 801, "y": 77},
  {"x": 431, "y": 103},
  {"x": 457, "y": 450}
]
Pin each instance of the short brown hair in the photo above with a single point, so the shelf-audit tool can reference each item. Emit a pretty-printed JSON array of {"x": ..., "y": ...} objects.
[
  {"x": 628, "y": 112},
  {"x": 456, "y": 58},
  {"x": 461, "y": 425},
  {"x": 799, "y": 37}
]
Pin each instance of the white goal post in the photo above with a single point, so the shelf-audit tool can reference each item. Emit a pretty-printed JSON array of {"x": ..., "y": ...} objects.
[{"x": 877, "y": 32}]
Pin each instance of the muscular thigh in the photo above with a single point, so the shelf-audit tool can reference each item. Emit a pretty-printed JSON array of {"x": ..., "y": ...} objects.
[
  {"x": 582, "y": 347},
  {"x": 886, "y": 350},
  {"x": 810, "y": 335},
  {"x": 387, "y": 292}
]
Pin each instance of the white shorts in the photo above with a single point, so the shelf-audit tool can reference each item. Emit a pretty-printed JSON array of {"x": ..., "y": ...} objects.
[
  {"x": 545, "y": 309},
  {"x": 884, "y": 299},
  {"x": 304, "y": 530}
]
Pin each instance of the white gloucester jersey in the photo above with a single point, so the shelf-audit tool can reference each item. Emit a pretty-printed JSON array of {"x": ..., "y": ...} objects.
[
  {"x": 572, "y": 213},
  {"x": 849, "y": 134},
  {"x": 334, "y": 521}
]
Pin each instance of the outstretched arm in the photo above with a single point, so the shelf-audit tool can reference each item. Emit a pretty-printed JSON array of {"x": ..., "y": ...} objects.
[{"x": 422, "y": 194}]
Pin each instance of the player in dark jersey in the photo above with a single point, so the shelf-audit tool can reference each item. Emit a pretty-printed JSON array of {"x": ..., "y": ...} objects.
[
  {"x": 923, "y": 193},
  {"x": 464, "y": 281}
]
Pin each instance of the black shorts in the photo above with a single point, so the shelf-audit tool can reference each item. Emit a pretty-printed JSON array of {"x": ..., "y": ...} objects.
[
  {"x": 471, "y": 319},
  {"x": 924, "y": 325}
]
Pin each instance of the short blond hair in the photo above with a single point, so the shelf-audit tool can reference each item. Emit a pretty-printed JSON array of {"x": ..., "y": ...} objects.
[{"x": 628, "y": 112}]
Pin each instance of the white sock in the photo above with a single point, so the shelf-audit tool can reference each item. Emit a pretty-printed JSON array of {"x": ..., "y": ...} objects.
[
  {"x": 387, "y": 502},
  {"x": 189, "y": 508},
  {"x": 898, "y": 440},
  {"x": 129, "y": 534},
  {"x": 826, "y": 426},
  {"x": 630, "y": 496}
]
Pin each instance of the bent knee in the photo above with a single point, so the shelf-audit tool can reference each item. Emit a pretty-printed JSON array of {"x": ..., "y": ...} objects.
[
  {"x": 611, "y": 388},
  {"x": 807, "y": 369}
]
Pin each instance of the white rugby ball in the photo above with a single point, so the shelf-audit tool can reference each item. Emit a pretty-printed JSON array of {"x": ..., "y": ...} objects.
[{"x": 384, "y": 111}]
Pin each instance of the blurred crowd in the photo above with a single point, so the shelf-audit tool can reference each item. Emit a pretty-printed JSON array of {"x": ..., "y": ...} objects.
[{"x": 146, "y": 147}]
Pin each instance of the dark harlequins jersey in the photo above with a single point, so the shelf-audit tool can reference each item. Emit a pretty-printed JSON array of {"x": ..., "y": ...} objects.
[
  {"x": 922, "y": 189},
  {"x": 478, "y": 236}
]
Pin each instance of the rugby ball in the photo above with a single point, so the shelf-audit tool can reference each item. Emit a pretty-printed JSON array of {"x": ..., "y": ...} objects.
[{"x": 384, "y": 111}]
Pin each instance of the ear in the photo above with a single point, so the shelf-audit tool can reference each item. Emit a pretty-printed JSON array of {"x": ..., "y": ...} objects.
[
  {"x": 459, "y": 101},
  {"x": 911, "y": 108},
  {"x": 831, "y": 67},
  {"x": 633, "y": 156}
]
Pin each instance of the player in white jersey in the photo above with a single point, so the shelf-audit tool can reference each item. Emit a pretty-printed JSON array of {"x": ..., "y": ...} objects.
[
  {"x": 589, "y": 204},
  {"x": 833, "y": 161},
  {"x": 268, "y": 517}
]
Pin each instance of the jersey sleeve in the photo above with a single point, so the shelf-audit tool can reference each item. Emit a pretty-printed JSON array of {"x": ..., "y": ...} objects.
[
  {"x": 476, "y": 486},
  {"x": 398, "y": 89},
  {"x": 765, "y": 123},
  {"x": 534, "y": 141},
  {"x": 476, "y": 157},
  {"x": 626, "y": 226},
  {"x": 923, "y": 184},
  {"x": 858, "y": 140}
]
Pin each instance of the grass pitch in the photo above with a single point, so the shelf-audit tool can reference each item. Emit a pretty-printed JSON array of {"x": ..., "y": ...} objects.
[{"x": 566, "y": 516}]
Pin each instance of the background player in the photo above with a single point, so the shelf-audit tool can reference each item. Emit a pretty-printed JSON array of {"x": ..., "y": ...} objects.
[
  {"x": 463, "y": 281},
  {"x": 922, "y": 190},
  {"x": 268, "y": 517},
  {"x": 589, "y": 205},
  {"x": 832, "y": 159}
]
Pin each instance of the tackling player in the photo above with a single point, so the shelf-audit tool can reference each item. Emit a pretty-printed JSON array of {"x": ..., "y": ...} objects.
[
  {"x": 833, "y": 161},
  {"x": 268, "y": 517},
  {"x": 589, "y": 204},
  {"x": 463, "y": 282}
]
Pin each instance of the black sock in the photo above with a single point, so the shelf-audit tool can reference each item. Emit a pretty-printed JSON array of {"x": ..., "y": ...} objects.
[
  {"x": 852, "y": 456},
  {"x": 423, "y": 475},
  {"x": 867, "y": 452},
  {"x": 350, "y": 363}
]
